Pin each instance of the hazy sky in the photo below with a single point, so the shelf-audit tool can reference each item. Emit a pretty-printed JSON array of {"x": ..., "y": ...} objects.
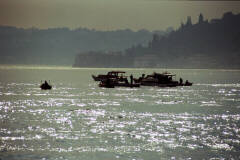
[{"x": 109, "y": 14}]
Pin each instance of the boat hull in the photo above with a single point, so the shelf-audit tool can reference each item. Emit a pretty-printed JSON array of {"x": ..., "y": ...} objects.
[
  {"x": 46, "y": 87},
  {"x": 95, "y": 78},
  {"x": 127, "y": 85},
  {"x": 186, "y": 84},
  {"x": 106, "y": 86}
]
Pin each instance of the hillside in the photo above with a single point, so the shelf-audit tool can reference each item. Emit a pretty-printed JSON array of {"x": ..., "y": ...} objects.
[
  {"x": 214, "y": 44},
  {"x": 58, "y": 46}
]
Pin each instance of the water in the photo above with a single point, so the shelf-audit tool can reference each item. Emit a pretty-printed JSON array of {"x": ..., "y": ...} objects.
[{"x": 79, "y": 120}]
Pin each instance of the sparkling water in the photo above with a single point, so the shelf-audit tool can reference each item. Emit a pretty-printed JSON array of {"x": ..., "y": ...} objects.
[{"x": 79, "y": 120}]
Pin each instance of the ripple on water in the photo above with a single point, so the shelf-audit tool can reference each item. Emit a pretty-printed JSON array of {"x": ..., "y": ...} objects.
[{"x": 122, "y": 121}]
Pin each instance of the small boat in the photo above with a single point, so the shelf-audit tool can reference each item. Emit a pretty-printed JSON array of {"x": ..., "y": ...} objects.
[
  {"x": 45, "y": 86},
  {"x": 188, "y": 83},
  {"x": 184, "y": 84}
]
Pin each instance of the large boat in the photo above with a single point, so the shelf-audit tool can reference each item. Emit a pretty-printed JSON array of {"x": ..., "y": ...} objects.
[
  {"x": 107, "y": 83},
  {"x": 114, "y": 82},
  {"x": 114, "y": 79},
  {"x": 164, "y": 79},
  {"x": 124, "y": 84},
  {"x": 160, "y": 79},
  {"x": 112, "y": 74}
]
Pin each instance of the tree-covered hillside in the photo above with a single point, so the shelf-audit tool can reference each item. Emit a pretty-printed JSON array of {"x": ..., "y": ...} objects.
[
  {"x": 58, "y": 46},
  {"x": 214, "y": 44}
]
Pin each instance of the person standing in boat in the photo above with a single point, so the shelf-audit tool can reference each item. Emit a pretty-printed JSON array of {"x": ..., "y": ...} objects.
[
  {"x": 131, "y": 78},
  {"x": 121, "y": 78},
  {"x": 180, "y": 80}
]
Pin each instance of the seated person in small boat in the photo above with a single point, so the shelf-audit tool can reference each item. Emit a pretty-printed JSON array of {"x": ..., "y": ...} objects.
[{"x": 45, "y": 83}]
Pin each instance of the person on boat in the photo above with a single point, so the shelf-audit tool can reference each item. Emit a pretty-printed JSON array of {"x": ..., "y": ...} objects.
[
  {"x": 121, "y": 77},
  {"x": 108, "y": 82},
  {"x": 126, "y": 81},
  {"x": 186, "y": 82},
  {"x": 180, "y": 80},
  {"x": 131, "y": 78},
  {"x": 45, "y": 83},
  {"x": 141, "y": 78}
]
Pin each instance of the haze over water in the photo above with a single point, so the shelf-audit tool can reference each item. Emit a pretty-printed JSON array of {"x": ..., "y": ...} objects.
[{"x": 79, "y": 120}]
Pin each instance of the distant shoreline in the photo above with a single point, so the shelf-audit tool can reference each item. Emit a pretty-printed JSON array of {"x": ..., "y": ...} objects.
[{"x": 57, "y": 67}]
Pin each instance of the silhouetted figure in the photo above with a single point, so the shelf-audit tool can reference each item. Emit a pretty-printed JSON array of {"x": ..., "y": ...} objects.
[
  {"x": 200, "y": 19},
  {"x": 45, "y": 83},
  {"x": 180, "y": 80},
  {"x": 121, "y": 77},
  {"x": 131, "y": 78},
  {"x": 189, "y": 21},
  {"x": 108, "y": 82},
  {"x": 126, "y": 81},
  {"x": 186, "y": 82},
  {"x": 141, "y": 78}
]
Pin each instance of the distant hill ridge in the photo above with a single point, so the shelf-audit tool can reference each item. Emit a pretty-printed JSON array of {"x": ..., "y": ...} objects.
[
  {"x": 58, "y": 46},
  {"x": 214, "y": 44}
]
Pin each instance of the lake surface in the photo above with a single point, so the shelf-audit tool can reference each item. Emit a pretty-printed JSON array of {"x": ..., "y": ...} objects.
[{"x": 79, "y": 120}]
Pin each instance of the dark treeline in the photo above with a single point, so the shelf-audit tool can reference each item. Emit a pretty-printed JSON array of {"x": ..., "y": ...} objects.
[
  {"x": 59, "y": 46},
  {"x": 214, "y": 44}
]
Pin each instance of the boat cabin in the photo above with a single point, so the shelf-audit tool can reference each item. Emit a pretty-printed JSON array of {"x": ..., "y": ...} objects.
[{"x": 115, "y": 73}]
